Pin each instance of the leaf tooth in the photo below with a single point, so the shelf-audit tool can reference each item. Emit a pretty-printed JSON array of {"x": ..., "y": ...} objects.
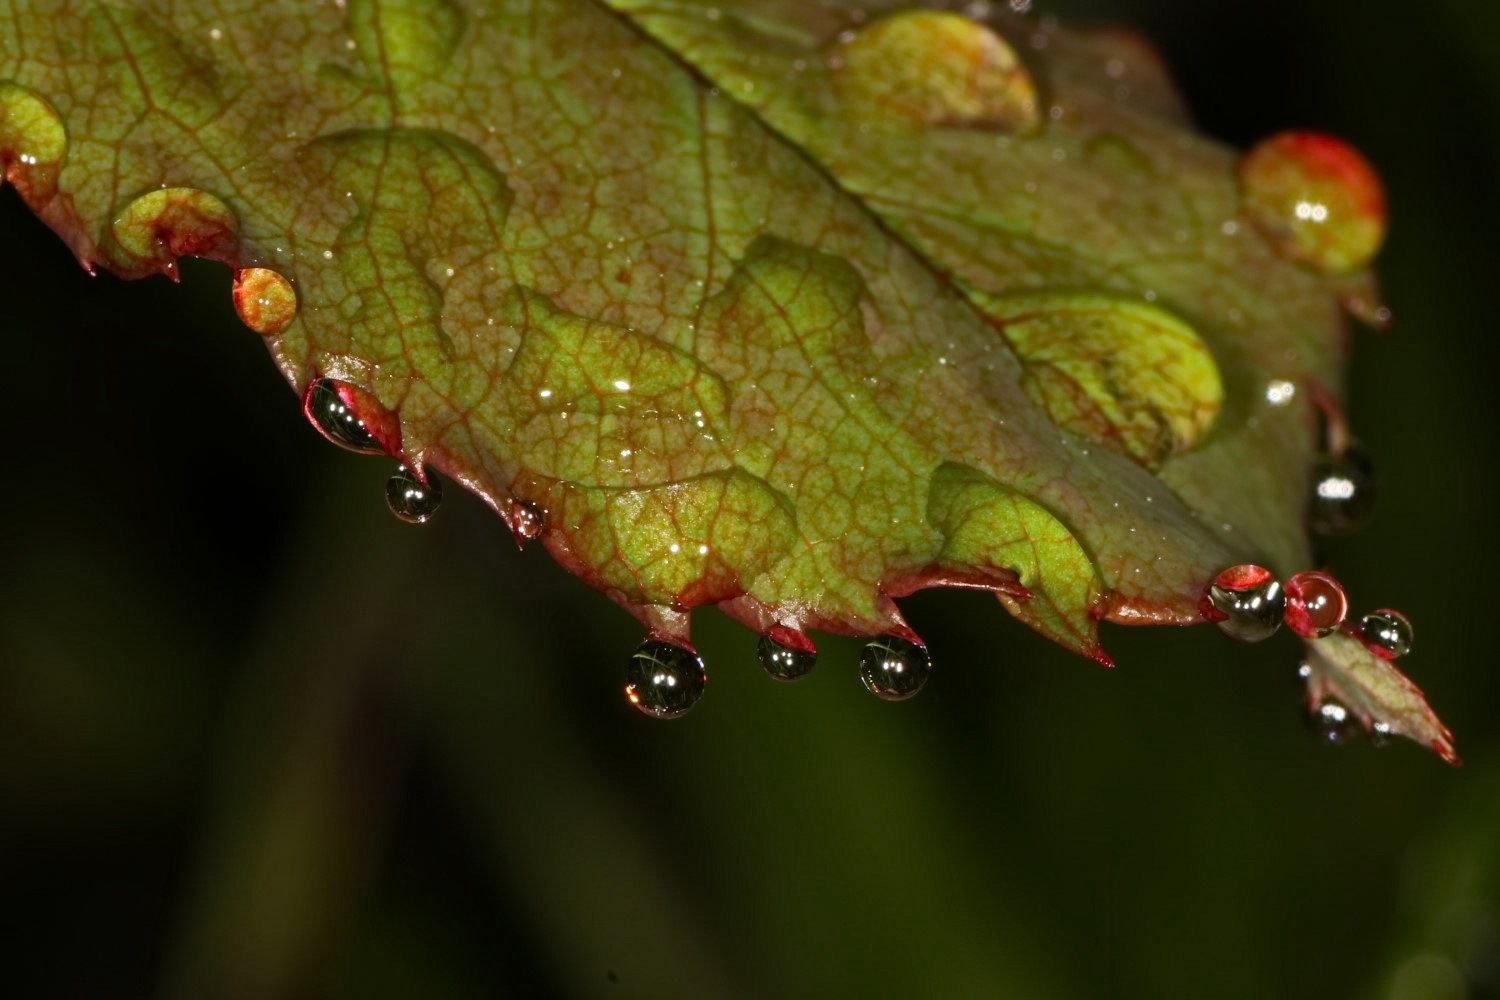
[{"x": 990, "y": 529}]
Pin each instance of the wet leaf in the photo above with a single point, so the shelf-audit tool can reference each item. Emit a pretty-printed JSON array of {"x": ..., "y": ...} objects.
[{"x": 788, "y": 308}]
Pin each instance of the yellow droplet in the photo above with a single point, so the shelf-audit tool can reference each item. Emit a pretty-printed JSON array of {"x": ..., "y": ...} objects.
[
  {"x": 936, "y": 68},
  {"x": 32, "y": 141},
  {"x": 1117, "y": 371},
  {"x": 1316, "y": 198},
  {"x": 160, "y": 226},
  {"x": 264, "y": 300}
]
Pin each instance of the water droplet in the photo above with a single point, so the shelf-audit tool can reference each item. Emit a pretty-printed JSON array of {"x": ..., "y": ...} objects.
[
  {"x": 1386, "y": 633},
  {"x": 526, "y": 521},
  {"x": 894, "y": 668},
  {"x": 1246, "y": 602},
  {"x": 1315, "y": 604},
  {"x": 664, "y": 680},
  {"x": 783, "y": 662},
  {"x": 412, "y": 500},
  {"x": 1332, "y": 721},
  {"x": 264, "y": 300},
  {"x": 1316, "y": 198},
  {"x": 1343, "y": 494},
  {"x": 331, "y": 415},
  {"x": 935, "y": 68},
  {"x": 1381, "y": 734}
]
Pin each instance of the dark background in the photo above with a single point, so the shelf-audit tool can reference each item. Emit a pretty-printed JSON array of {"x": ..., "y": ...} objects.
[{"x": 259, "y": 739}]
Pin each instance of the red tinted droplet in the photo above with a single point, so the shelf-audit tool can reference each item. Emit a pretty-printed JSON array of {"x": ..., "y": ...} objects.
[
  {"x": 1316, "y": 198},
  {"x": 1315, "y": 604}
]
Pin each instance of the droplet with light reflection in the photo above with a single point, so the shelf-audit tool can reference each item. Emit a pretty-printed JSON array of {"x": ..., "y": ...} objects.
[
  {"x": 332, "y": 417},
  {"x": 1246, "y": 602},
  {"x": 664, "y": 680},
  {"x": 412, "y": 500},
  {"x": 894, "y": 668},
  {"x": 1343, "y": 492}
]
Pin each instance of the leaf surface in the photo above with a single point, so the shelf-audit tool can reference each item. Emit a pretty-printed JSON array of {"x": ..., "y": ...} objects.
[{"x": 785, "y": 308}]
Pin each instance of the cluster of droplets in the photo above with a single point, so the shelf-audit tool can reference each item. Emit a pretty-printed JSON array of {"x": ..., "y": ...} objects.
[
  {"x": 1248, "y": 603},
  {"x": 1335, "y": 724},
  {"x": 665, "y": 679},
  {"x": 409, "y": 497}
]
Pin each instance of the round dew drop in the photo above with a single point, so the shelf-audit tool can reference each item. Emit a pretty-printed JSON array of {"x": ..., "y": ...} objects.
[
  {"x": 894, "y": 668},
  {"x": 1315, "y": 604},
  {"x": 333, "y": 418},
  {"x": 1315, "y": 198},
  {"x": 664, "y": 680},
  {"x": 1332, "y": 722},
  {"x": 783, "y": 662},
  {"x": 1386, "y": 633},
  {"x": 1246, "y": 602},
  {"x": 1343, "y": 492},
  {"x": 412, "y": 500}
]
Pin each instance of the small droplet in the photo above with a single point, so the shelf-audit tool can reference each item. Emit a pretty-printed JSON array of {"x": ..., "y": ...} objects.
[
  {"x": 783, "y": 662},
  {"x": 412, "y": 500},
  {"x": 1386, "y": 633},
  {"x": 1315, "y": 604},
  {"x": 1316, "y": 198},
  {"x": 1381, "y": 734},
  {"x": 332, "y": 416},
  {"x": 664, "y": 680},
  {"x": 1246, "y": 602},
  {"x": 526, "y": 521},
  {"x": 1333, "y": 723},
  {"x": 1343, "y": 494},
  {"x": 894, "y": 668}
]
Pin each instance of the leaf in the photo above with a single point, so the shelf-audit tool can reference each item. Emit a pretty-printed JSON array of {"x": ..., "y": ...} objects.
[{"x": 783, "y": 308}]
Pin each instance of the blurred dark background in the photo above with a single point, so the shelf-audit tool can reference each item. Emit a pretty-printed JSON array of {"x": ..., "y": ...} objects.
[{"x": 258, "y": 739}]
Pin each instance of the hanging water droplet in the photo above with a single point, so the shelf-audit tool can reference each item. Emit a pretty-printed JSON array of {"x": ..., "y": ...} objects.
[
  {"x": 894, "y": 668},
  {"x": 664, "y": 680},
  {"x": 1246, "y": 602},
  {"x": 1315, "y": 604},
  {"x": 1343, "y": 495},
  {"x": 783, "y": 662},
  {"x": 333, "y": 418},
  {"x": 526, "y": 521},
  {"x": 1386, "y": 633},
  {"x": 1381, "y": 734},
  {"x": 1316, "y": 198},
  {"x": 1333, "y": 722},
  {"x": 412, "y": 500}
]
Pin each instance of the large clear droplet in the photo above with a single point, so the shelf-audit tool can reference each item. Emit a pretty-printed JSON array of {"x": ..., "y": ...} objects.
[
  {"x": 1387, "y": 633},
  {"x": 1315, "y": 604},
  {"x": 1247, "y": 603},
  {"x": 412, "y": 500},
  {"x": 664, "y": 680},
  {"x": 1333, "y": 723},
  {"x": 783, "y": 662},
  {"x": 337, "y": 422},
  {"x": 894, "y": 668},
  {"x": 1343, "y": 493}
]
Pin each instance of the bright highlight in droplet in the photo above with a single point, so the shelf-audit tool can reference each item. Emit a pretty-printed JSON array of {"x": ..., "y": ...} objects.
[
  {"x": 1312, "y": 211},
  {"x": 1336, "y": 488},
  {"x": 1280, "y": 392}
]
